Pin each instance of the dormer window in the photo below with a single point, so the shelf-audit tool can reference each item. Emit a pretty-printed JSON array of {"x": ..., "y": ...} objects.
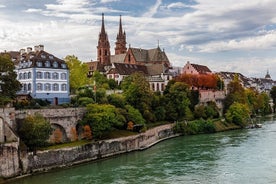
[
  {"x": 51, "y": 57},
  {"x": 47, "y": 63},
  {"x": 55, "y": 64},
  {"x": 43, "y": 56},
  {"x": 39, "y": 64},
  {"x": 63, "y": 65}
]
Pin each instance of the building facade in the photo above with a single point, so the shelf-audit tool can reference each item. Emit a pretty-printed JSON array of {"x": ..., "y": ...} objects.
[{"x": 42, "y": 75}]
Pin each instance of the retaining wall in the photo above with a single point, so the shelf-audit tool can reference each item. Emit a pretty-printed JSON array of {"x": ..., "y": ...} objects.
[{"x": 44, "y": 160}]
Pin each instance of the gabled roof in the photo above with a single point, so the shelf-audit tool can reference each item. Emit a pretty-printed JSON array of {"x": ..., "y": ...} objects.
[
  {"x": 155, "y": 69},
  {"x": 151, "y": 55},
  {"x": 201, "y": 69},
  {"x": 127, "y": 69},
  {"x": 118, "y": 58}
]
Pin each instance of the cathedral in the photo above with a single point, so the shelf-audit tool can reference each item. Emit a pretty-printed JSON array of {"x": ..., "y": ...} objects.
[{"x": 154, "y": 63}]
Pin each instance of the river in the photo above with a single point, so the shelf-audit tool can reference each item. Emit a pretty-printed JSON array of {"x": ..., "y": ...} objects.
[{"x": 235, "y": 157}]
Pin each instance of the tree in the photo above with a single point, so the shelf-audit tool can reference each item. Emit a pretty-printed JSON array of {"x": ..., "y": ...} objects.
[
  {"x": 236, "y": 93},
  {"x": 87, "y": 133},
  {"x": 78, "y": 72},
  {"x": 102, "y": 118},
  {"x": 138, "y": 94},
  {"x": 9, "y": 85},
  {"x": 35, "y": 131},
  {"x": 177, "y": 100},
  {"x": 134, "y": 115},
  {"x": 57, "y": 136},
  {"x": 238, "y": 114},
  {"x": 74, "y": 134},
  {"x": 273, "y": 96}
]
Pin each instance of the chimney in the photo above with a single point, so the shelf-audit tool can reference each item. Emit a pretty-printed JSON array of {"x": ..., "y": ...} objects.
[
  {"x": 22, "y": 51},
  {"x": 38, "y": 48},
  {"x": 29, "y": 49}
]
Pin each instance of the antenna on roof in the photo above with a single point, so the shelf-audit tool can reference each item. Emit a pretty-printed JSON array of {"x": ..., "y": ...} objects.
[{"x": 158, "y": 43}]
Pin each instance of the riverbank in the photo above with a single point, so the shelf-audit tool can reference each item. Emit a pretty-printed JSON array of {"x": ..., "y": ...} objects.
[{"x": 43, "y": 161}]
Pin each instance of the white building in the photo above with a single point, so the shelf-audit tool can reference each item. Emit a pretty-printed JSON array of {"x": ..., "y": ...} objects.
[{"x": 42, "y": 75}]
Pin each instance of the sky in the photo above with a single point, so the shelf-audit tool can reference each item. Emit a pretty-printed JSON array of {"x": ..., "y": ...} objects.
[{"x": 229, "y": 35}]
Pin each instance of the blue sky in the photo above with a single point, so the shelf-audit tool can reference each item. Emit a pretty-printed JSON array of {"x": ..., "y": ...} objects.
[{"x": 228, "y": 35}]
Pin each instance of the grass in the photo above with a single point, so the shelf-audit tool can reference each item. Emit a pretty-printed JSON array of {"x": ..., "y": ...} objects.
[
  {"x": 66, "y": 145},
  {"x": 118, "y": 133}
]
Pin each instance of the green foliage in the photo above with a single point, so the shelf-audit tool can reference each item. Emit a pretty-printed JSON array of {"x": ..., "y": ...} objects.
[
  {"x": 9, "y": 85},
  {"x": 195, "y": 127},
  {"x": 35, "y": 131},
  {"x": 238, "y": 114},
  {"x": 84, "y": 101},
  {"x": 78, "y": 73},
  {"x": 102, "y": 118},
  {"x": 236, "y": 93},
  {"x": 177, "y": 99},
  {"x": 117, "y": 100},
  {"x": 138, "y": 94},
  {"x": 273, "y": 96},
  {"x": 134, "y": 115}
]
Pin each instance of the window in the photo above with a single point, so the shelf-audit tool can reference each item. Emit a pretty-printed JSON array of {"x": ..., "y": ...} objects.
[
  {"x": 29, "y": 87},
  {"x": 55, "y": 87},
  {"x": 25, "y": 87},
  {"x": 20, "y": 76},
  {"x": 47, "y": 87},
  {"x": 63, "y": 87},
  {"x": 47, "y": 75},
  {"x": 43, "y": 56},
  {"x": 39, "y": 87},
  {"x": 55, "y": 64},
  {"x": 63, "y": 65},
  {"x": 25, "y": 75},
  {"x": 47, "y": 63},
  {"x": 29, "y": 75},
  {"x": 39, "y": 64},
  {"x": 38, "y": 75},
  {"x": 55, "y": 75},
  {"x": 51, "y": 57},
  {"x": 63, "y": 76}
]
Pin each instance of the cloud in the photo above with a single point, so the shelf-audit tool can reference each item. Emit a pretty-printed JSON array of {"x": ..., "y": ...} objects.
[
  {"x": 2, "y": 6},
  {"x": 177, "y": 5},
  {"x": 32, "y": 10},
  {"x": 258, "y": 42},
  {"x": 109, "y": 1},
  {"x": 152, "y": 11}
]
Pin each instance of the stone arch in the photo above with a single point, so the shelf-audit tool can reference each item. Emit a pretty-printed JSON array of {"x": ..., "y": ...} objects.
[{"x": 62, "y": 129}]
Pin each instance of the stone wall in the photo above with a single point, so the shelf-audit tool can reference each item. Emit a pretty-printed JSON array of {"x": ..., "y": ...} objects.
[
  {"x": 44, "y": 160},
  {"x": 66, "y": 118},
  {"x": 9, "y": 160}
]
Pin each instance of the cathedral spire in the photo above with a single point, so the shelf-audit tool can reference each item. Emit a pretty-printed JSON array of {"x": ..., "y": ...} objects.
[
  {"x": 103, "y": 46},
  {"x": 121, "y": 40}
]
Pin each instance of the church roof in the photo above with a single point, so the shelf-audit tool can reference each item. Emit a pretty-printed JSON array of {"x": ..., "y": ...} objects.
[
  {"x": 151, "y": 55},
  {"x": 201, "y": 68},
  {"x": 118, "y": 58},
  {"x": 127, "y": 69}
]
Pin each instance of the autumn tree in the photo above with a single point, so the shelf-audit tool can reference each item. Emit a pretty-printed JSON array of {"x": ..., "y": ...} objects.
[
  {"x": 87, "y": 133},
  {"x": 35, "y": 131},
  {"x": 9, "y": 85},
  {"x": 57, "y": 136},
  {"x": 236, "y": 93},
  {"x": 199, "y": 81},
  {"x": 74, "y": 134},
  {"x": 78, "y": 72}
]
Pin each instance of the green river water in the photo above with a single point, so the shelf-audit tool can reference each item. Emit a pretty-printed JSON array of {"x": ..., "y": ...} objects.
[{"x": 234, "y": 157}]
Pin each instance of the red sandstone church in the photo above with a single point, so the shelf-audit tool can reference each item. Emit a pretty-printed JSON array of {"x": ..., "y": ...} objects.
[{"x": 154, "y": 63}]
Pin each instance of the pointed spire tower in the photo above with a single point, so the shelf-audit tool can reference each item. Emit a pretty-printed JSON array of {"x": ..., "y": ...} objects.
[
  {"x": 121, "y": 40},
  {"x": 103, "y": 46}
]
